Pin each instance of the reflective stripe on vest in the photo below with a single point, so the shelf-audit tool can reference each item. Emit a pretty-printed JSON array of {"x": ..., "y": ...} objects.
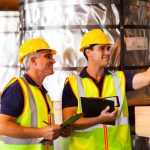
[
  {"x": 120, "y": 120},
  {"x": 9, "y": 140},
  {"x": 32, "y": 104},
  {"x": 80, "y": 91}
]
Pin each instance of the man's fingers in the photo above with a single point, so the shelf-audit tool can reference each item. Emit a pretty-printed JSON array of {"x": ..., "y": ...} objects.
[{"x": 105, "y": 110}]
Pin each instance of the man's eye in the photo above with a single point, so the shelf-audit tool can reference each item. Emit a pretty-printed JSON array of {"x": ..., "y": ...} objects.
[
  {"x": 49, "y": 56},
  {"x": 108, "y": 48},
  {"x": 103, "y": 48}
]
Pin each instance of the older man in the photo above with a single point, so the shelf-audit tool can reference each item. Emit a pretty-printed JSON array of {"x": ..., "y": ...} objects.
[{"x": 26, "y": 108}]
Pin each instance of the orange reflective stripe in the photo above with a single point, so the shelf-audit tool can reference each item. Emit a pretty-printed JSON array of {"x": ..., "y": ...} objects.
[{"x": 105, "y": 137}]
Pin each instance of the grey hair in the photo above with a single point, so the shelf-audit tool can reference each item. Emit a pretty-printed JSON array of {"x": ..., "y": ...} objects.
[{"x": 26, "y": 61}]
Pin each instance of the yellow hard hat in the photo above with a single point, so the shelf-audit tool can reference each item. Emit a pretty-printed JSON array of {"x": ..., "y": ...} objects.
[
  {"x": 95, "y": 36},
  {"x": 33, "y": 45}
]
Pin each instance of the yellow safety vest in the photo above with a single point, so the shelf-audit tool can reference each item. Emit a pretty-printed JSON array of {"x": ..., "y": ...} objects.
[
  {"x": 35, "y": 111},
  {"x": 103, "y": 137}
]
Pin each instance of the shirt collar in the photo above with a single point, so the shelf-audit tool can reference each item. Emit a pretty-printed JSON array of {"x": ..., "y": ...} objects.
[
  {"x": 32, "y": 82},
  {"x": 84, "y": 74}
]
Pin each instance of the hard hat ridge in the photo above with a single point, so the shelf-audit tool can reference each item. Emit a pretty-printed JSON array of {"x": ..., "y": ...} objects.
[
  {"x": 33, "y": 45},
  {"x": 95, "y": 36}
]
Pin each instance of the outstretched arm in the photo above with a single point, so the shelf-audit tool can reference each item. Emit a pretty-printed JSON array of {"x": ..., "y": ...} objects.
[{"x": 141, "y": 80}]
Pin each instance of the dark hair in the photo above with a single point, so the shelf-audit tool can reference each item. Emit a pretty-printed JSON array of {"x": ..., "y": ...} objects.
[{"x": 90, "y": 47}]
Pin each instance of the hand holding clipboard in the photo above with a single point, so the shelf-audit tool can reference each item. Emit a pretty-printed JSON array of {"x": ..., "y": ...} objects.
[{"x": 92, "y": 107}]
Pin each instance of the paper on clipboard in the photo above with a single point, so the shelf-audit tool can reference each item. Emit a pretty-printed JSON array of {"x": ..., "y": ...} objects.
[
  {"x": 71, "y": 120},
  {"x": 115, "y": 99}
]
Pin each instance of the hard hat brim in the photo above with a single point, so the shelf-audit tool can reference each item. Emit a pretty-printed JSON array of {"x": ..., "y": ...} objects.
[
  {"x": 82, "y": 48},
  {"x": 52, "y": 52}
]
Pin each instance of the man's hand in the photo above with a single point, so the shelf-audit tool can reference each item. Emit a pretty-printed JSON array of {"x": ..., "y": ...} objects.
[
  {"x": 106, "y": 116},
  {"x": 66, "y": 131},
  {"x": 51, "y": 132}
]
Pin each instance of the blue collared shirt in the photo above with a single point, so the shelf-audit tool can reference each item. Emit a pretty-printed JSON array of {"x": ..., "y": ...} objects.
[{"x": 12, "y": 100}]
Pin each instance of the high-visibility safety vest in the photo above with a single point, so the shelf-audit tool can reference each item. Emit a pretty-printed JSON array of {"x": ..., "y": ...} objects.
[
  {"x": 35, "y": 111},
  {"x": 102, "y": 137}
]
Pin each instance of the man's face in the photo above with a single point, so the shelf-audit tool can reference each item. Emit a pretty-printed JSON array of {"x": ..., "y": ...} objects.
[
  {"x": 100, "y": 55},
  {"x": 44, "y": 63}
]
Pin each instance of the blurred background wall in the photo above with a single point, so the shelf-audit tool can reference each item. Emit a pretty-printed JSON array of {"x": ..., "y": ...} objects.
[{"x": 62, "y": 24}]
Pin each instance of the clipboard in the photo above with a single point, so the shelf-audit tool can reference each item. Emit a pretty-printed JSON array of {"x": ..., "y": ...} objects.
[
  {"x": 71, "y": 120},
  {"x": 92, "y": 107}
]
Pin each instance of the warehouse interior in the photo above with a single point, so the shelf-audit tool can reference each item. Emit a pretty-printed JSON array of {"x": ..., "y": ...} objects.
[{"x": 126, "y": 22}]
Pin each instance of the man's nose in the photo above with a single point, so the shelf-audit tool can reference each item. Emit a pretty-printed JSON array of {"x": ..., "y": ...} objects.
[{"x": 53, "y": 60}]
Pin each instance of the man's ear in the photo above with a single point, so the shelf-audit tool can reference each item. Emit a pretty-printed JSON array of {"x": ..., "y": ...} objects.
[
  {"x": 32, "y": 59},
  {"x": 87, "y": 52}
]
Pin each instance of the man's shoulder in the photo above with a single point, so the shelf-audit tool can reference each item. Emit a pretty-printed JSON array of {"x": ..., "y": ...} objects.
[
  {"x": 111, "y": 72},
  {"x": 70, "y": 78},
  {"x": 11, "y": 88},
  {"x": 15, "y": 84},
  {"x": 120, "y": 72},
  {"x": 12, "y": 100}
]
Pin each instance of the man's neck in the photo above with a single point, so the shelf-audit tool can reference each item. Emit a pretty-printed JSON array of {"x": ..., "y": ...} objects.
[
  {"x": 95, "y": 72},
  {"x": 36, "y": 78}
]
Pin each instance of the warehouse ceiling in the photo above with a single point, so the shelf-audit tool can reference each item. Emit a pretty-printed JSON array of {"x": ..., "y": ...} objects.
[{"x": 9, "y": 5}]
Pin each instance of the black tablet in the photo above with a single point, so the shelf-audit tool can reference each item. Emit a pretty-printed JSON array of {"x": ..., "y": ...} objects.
[{"x": 92, "y": 107}]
